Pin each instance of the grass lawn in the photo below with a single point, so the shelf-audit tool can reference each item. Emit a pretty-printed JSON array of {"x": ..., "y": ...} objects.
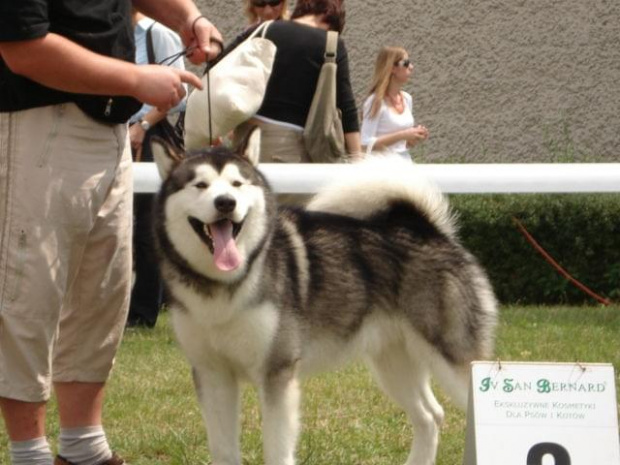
[{"x": 152, "y": 416}]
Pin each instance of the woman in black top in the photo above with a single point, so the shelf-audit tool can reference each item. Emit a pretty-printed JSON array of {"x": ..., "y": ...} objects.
[{"x": 300, "y": 53}]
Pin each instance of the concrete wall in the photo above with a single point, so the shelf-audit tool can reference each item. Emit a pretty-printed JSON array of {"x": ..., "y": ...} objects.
[{"x": 494, "y": 80}]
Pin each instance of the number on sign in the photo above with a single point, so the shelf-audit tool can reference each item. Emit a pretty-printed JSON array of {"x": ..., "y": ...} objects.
[{"x": 559, "y": 454}]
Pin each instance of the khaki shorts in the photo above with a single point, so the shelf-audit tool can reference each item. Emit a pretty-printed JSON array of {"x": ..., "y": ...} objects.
[{"x": 65, "y": 248}]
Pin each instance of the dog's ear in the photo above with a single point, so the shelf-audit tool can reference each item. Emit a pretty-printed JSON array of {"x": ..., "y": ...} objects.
[
  {"x": 250, "y": 147},
  {"x": 166, "y": 156}
]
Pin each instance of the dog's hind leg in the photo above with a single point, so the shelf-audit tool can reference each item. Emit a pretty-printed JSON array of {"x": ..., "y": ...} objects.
[
  {"x": 218, "y": 394},
  {"x": 280, "y": 408},
  {"x": 407, "y": 382},
  {"x": 453, "y": 379},
  {"x": 429, "y": 399}
]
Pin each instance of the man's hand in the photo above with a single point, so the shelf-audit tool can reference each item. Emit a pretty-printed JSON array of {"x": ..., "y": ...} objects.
[
  {"x": 162, "y": 87},
  {"x": 202, "y": 39},
  {"x": 198, "y": 34}
]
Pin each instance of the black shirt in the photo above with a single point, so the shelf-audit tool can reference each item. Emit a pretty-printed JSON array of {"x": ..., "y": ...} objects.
[
  {"x": 299, "y": 57},
  {"x": 103, "y": 26}
]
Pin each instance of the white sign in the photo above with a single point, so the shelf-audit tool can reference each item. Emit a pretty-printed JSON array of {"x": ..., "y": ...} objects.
[{"x": 542, "y": 414}]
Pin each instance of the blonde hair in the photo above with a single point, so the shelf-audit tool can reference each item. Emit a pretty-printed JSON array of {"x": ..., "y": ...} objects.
[
  {"x": 383, "y": 72},
  {"x": 253, "y": 17}
]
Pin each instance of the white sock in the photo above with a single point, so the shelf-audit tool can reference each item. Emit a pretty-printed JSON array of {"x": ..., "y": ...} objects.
[
  {"x": 84, "y": 446},
  {"x": 32, "y": 452}
]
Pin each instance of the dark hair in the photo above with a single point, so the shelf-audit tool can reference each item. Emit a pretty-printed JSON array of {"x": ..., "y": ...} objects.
[{"x": 332, "y": 11}]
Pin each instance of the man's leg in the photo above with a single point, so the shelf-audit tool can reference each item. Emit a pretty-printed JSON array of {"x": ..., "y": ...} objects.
[
  {"x": 25, "y": 424},
  {"x": 95, "y": 310},
  {"x": 23, "y": 420},
  {"x": 82, "y": 438},
  {"x": 31, "y": 278},
  {"x": 79, "y": 404}
]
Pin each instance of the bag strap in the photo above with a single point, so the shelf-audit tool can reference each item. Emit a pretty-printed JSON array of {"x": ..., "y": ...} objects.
[
  {"x": 331, "y": 52},
  {"x": 331, "y": 47},
  {"x": 150, "y": 51},
  {"x": 262, "y": 28}
]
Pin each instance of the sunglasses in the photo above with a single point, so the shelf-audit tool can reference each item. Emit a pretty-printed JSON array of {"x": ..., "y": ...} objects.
[
  {"x": 404, "y": 63},
  {"x": 264, "y": 3}
]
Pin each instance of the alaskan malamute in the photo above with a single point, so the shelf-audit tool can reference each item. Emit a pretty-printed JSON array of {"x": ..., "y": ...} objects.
[{"x": 371, "y": 269}]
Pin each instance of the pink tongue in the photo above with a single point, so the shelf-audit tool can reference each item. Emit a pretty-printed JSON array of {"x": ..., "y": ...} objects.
[{"x": 225, "y": 250}]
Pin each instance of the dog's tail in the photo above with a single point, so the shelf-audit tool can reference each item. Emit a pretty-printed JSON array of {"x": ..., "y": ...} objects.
[{"x": 376, "y": 183}]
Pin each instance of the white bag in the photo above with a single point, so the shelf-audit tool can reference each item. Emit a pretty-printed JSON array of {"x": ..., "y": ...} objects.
[{"x": 236, "y": 87}]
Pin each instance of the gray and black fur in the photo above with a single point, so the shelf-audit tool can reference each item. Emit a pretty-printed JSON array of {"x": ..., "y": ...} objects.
[{"x": 371, "y": 269}]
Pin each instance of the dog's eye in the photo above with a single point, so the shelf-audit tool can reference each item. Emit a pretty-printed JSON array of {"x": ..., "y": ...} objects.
[
  {"x": 237, "y": 184},
  {"x": 201, "y": 185}
]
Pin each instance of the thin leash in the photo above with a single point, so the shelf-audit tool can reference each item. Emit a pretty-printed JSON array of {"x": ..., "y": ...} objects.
[
  {"x": 186, "y": 53},
  {"x": 209, "y": 104},
  {"x": 175, "y": 56}
]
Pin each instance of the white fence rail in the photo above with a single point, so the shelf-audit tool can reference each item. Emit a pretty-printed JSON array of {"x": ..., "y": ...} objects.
[{"x": 456, "y": 178}]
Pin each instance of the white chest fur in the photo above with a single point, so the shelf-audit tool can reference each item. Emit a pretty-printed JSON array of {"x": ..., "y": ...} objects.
[{"x": 223, "y": 331}]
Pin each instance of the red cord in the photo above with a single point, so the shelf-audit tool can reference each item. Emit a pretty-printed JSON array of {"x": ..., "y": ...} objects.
[{"x": 553, "y": 263}]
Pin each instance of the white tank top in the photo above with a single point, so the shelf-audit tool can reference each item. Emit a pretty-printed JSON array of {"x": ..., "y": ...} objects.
[{"x": 386, "y": 121}]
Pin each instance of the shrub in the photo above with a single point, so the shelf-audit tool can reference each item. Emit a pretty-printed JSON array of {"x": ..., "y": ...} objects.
[{"x": 580, "y": 231}]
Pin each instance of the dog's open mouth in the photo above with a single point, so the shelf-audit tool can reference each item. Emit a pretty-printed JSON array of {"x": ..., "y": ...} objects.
[{"x": 220, "y": 239}]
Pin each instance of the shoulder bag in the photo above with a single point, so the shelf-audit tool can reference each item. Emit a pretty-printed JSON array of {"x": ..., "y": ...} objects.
[
  {"x": 323, "y": 133},
  {"x": 233, "y": 90}
]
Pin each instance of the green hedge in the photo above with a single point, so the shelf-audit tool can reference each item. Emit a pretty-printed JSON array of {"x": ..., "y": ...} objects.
[{"x": 580, "y": 231}]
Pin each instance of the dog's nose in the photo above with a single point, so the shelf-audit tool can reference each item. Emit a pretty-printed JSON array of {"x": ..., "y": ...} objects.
[{"x": 225, "y": 203}]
